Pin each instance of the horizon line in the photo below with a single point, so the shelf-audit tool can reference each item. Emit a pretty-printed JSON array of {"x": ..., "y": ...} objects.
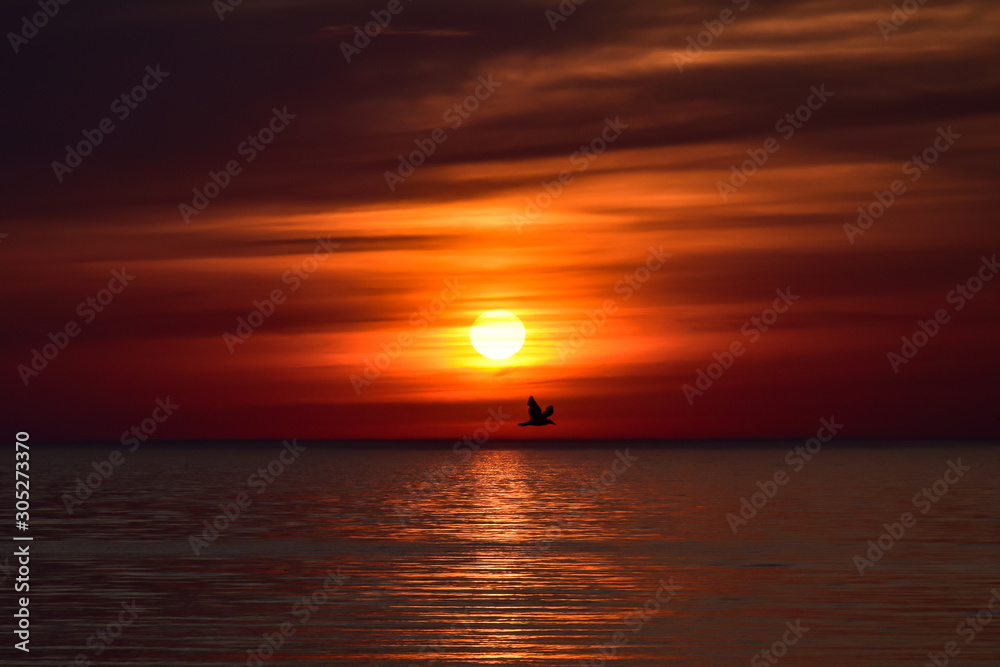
[{"x": 750, "y": 440}]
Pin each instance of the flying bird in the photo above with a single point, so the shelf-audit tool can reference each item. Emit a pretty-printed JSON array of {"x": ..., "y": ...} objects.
[{"x": 538, "y": 418}]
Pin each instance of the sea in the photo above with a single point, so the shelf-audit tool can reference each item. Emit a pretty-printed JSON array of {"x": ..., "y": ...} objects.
[{"x": 628, "y": 553}]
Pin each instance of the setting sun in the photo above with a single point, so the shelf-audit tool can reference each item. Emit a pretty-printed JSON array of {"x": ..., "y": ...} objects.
[{"x": 497, "y": 334}]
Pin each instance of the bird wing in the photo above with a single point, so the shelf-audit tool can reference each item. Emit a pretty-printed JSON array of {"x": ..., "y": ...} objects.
[
  {"x": 548, "y": 412},
  {"x": 533, "y": 409}
]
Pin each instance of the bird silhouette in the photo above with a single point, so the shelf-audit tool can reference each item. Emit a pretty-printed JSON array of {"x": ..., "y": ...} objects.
[{"x": 538, "y": 418}]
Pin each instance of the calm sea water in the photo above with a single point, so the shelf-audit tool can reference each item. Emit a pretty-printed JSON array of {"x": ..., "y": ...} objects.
[{"x": 514, "y": 557}]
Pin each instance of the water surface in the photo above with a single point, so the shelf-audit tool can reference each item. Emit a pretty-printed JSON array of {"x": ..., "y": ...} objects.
[{"x": 505, "y": 562}]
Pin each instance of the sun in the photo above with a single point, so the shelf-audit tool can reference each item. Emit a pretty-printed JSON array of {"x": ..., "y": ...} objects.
[{"x": 497, "y": 334}]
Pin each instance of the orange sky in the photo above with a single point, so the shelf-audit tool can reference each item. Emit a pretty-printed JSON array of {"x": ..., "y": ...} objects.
[{"x": 456, "y": 219}]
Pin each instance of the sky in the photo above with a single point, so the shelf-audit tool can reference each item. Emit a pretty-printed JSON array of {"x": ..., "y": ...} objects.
[{"x": 644, "y": 184}]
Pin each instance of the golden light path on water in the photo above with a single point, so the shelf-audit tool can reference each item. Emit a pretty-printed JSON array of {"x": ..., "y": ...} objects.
[{"x": 520, "y": 557}]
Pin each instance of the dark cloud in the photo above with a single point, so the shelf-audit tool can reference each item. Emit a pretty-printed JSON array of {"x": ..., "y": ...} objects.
[{"x": 324, "y": 176}]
